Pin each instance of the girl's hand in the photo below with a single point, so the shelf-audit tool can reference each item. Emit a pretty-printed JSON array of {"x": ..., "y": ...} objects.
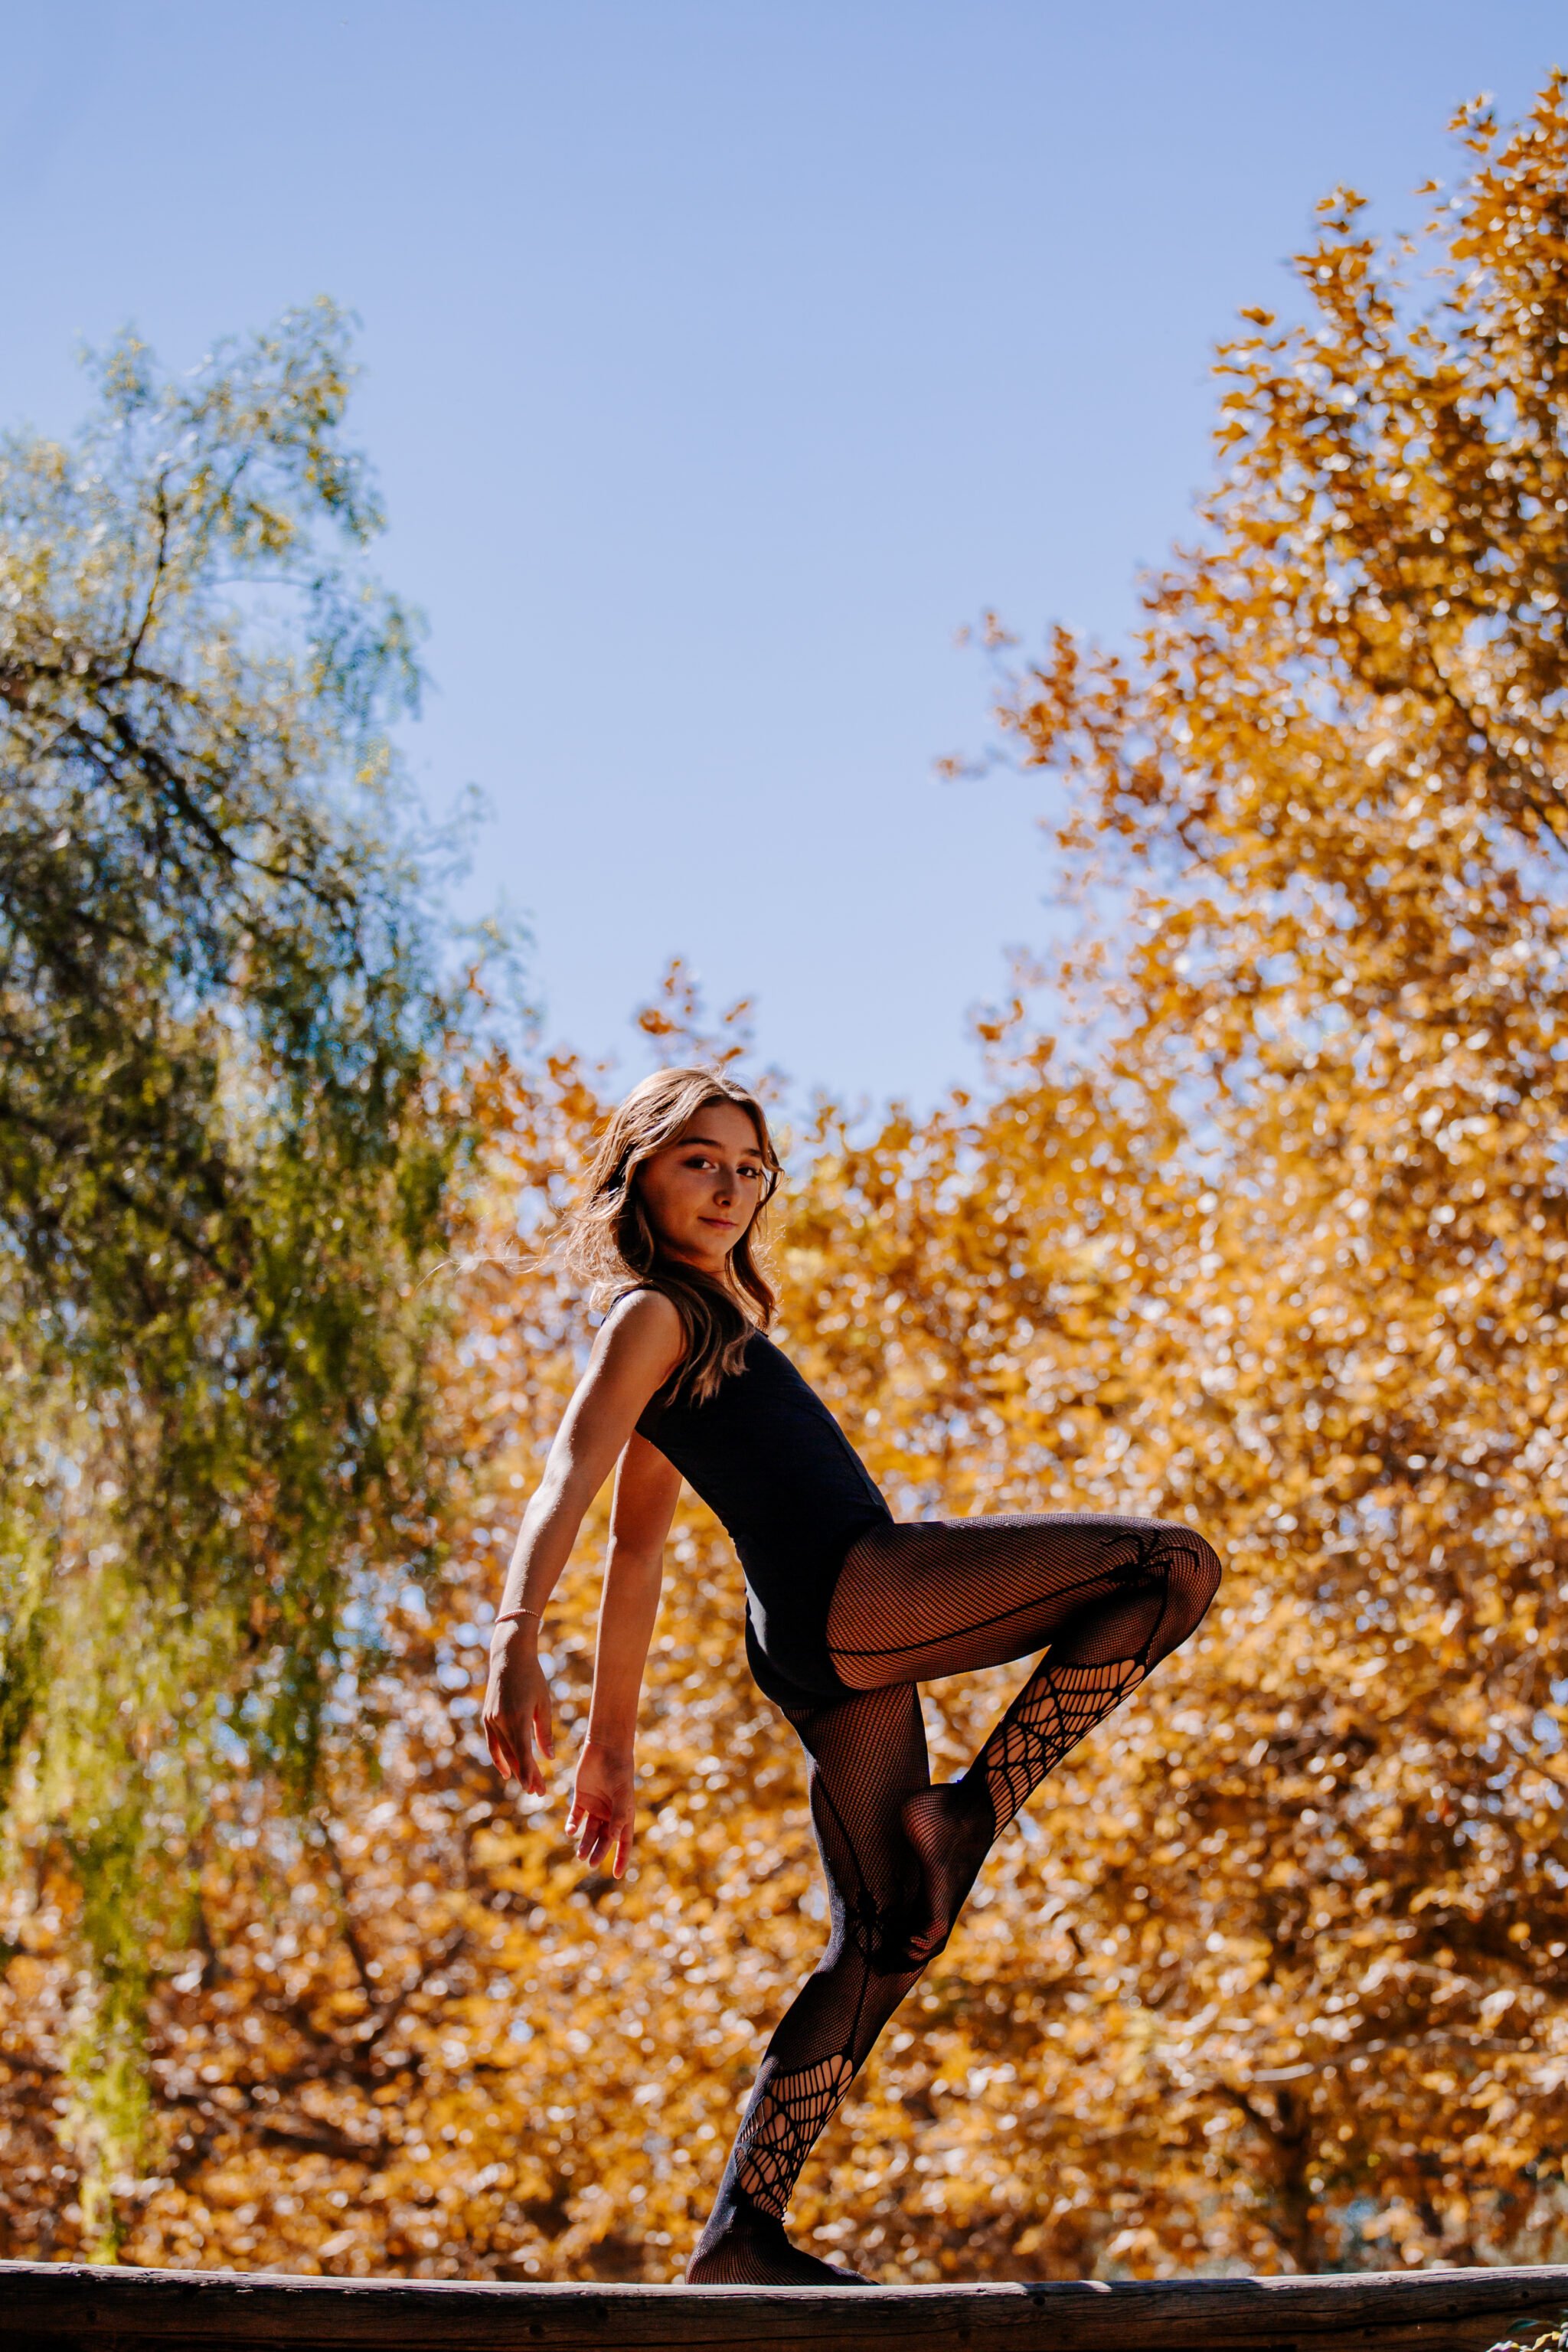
[
  {"x": 603, "y": 1807},
  {"x": 517, "y": 1707}
]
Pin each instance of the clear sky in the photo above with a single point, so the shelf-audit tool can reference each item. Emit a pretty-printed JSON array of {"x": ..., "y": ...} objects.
[{"x": 723, "y": 358}]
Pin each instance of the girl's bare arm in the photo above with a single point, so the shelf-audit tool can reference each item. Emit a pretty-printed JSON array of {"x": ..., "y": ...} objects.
[
  {"x": 604, "y": 1802},
  {"x": 635, "y": 1351}
]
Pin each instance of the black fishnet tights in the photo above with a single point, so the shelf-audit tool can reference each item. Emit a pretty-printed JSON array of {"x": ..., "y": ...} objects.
[
  {"x": 1060, "y": 1707},
  {"x": 1111, "y": 1597},
  {"x": 867, "y": 1755}
]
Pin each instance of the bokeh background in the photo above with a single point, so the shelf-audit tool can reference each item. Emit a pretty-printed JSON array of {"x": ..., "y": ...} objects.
[{"x": 713, "y": 369}]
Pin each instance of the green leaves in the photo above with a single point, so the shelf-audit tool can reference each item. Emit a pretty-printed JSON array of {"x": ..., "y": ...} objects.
[{"x": 226, "y": 1119}]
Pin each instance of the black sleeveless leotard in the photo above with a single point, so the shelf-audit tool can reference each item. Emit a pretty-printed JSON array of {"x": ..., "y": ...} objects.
[{"x": 773, "y": 1466}]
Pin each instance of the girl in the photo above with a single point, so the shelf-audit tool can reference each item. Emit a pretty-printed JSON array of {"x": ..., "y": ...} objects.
[{"x": 847, "y": 1612}]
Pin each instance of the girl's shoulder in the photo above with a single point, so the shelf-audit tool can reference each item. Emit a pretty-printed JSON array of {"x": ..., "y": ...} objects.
[
  {"x": 642, "y": 1304},
  {"x": 642, "y": 1338}
]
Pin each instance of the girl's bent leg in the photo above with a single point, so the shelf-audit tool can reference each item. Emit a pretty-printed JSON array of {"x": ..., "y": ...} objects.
[
  {"x": 867, "y": 1760},
  {"x": 1111, "y": 1596},
  {"x": 943, "y": 1596}
]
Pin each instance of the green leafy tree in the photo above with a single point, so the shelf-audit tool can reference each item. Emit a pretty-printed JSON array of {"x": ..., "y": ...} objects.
[{"x": 226, "y": 1128}]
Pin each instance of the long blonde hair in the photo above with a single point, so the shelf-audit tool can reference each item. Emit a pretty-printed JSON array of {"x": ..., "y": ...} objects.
[{"x": 611, "y": 1242}]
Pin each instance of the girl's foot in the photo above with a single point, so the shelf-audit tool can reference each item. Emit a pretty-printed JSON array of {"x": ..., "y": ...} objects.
[
  {"x": 746, "y": 2247},
  {"x": 951, "y": 1828}
]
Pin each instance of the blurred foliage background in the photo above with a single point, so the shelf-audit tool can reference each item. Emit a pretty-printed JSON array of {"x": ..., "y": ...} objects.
[{"x": 1270, "y": 1235}]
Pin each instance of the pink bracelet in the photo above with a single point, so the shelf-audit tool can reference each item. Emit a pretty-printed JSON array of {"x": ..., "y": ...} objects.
[{"x": 509, "y": 1616}]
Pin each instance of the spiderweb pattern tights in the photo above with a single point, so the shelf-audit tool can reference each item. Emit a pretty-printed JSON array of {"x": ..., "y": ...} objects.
[{"x": 1111, "y": 1597}]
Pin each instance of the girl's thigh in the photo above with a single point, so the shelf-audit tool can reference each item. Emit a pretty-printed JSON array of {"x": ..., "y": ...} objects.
[
  {"x": 945, "y": 1596},
  {"x": 868, "y": 1756}
]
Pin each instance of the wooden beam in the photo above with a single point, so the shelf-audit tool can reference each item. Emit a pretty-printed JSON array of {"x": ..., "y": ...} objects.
[{"x": 71, "y": 2307}]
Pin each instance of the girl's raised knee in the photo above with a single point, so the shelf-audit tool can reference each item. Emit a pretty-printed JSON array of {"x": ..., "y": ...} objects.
[{"x": 1195, "y": 1575}]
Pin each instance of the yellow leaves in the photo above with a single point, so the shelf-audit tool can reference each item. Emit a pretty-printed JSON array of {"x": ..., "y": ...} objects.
[{"x": 1445, "y": 1896}]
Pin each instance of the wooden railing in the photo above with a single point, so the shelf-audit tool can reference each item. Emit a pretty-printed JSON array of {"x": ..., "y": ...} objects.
[{"x": 59, "y": 2307}]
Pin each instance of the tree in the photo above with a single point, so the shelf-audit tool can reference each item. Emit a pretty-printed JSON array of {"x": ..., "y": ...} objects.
[
  {"x": 226, "y": 1125},
  {"x": 1338, "y": 761}
]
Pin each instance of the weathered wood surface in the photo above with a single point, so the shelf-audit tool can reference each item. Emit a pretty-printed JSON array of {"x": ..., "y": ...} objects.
[{"x": 58, "y": 2307}]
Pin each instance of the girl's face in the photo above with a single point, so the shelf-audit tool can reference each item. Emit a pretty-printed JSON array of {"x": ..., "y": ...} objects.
[{"x": 702, "y": 1191}]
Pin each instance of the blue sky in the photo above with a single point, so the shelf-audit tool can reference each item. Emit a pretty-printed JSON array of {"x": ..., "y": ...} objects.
[{"x": 723, "y": 361}]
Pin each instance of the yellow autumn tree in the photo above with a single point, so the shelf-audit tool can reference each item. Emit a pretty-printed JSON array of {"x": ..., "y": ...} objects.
[{"x": 1335, "y": 773}]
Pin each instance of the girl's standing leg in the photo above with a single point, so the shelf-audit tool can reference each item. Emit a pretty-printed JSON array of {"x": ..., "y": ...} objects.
[{"x": 868, "y": 1759}]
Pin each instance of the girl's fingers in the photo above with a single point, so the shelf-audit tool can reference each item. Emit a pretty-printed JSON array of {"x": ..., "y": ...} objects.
[
  {"x": 598, "y": 1833},
  {"x": 513, "y": 1749},
  {"x": 600, "y": 1837},
  {"x": 513, "y": 1759}
]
